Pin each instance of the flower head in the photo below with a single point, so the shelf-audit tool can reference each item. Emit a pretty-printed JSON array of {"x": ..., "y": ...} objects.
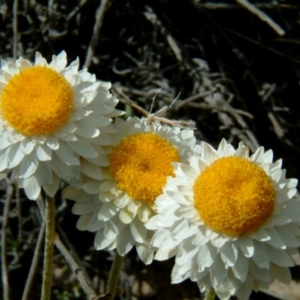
[
  {"x": 50, "y": 116},
  {"x": 139, "y": 163},
  {"x": 231, "y": 220}
]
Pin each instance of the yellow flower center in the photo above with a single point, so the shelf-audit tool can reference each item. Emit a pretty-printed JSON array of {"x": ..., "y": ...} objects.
[
  {"x": 141, "y": 163},
  {"x": 37, "y": 101},
  {"x": 234, "y": 196}
]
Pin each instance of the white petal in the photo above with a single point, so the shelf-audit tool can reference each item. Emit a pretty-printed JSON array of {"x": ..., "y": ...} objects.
[
  {"x": 3, "y": 159},
  {"x": 4, "y": 143},
  {"x": 138, "y": 231},
  {"x": 275, "y": 239},
  {"x": 228, "y": 254},
  {"x": 27, "y": 166},
  {"x": 227, "y": 288},
  {"x": 279, "y": 257},
  {"x": 44, "y": 174},
  {"x": 51, "y": 189},
  {"x": 144, "y": 214},
  {"x": 246, "y": 245},
  {"x": 280, "y": 273},
  {"x": 240, "y": 269},
  {"x": 101, "y": 242},
  {"x": 209, "y": 154},
  {"x": 39, "y": 60},
  {"x": 65, "y": 153},
  {"x": 126, "y": 217},
  {"x": 145, "y": 253},
  {"x": 245, "y": 288},
  {"x": 163, "y": 254},
  {"x": 65, "y": 172},
  {"x": 87, "y": 130},
  {"x": 43, "y": 153},
  {"x": 83, "y": 221},
  {"x": 107, "y": 211},
  {"x": 258, "y": 155},
  {"x": 15, "y": 155},
  {"x": 27, "y": 146},
  {"x": 82, "y": 208},
  {"x": 217, "y": 272},
  {"x": 91, "y": 187},
  {"x": 259, "y": 273},
  {"x": 287, "y": 234},
  {"x": 113, "y": 227},
  {"x": 260, "y": 256},
  {"x": 31, "y": 187},
  {"x": 159, "y": 236},
  {"x": 219, "y": 241},
  {"x": 260, "y": 235},
  {"x": 52, "y": 142},
  {"x": 83, "y": 148},
  {"x": 206, "y": 255},
  {"x": 121, "y": 200},
  {"x": 125, "y": 241},
  {"x": 59, "y": 62},
  {"x": 91, "y": 170}
]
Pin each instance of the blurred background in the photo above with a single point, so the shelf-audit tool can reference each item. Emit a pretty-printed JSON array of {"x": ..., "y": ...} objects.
[{"x": 233, "y": 74}]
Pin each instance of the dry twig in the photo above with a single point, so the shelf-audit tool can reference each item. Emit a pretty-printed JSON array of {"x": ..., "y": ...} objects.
[
  {"x": 155, "y": 117},
  {"x": 96, "y": 31},
  {"x": 15, "y": 29},
  {"x": 34, "y": 264},
  {"x": 263, "y": 16},
  {"x": 5, "y": 216},
  {"x": 152, "y": 17}
]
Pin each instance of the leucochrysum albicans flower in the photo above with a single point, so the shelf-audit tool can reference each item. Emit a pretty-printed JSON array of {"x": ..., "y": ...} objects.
[
  {"x": 50, "y": 116},
  {"x": 118, "y": 205},
  {"x": 231, "y": 220}
]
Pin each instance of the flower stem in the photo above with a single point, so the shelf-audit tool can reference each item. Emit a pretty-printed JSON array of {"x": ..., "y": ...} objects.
[
  {"x": 114, "y": 275},
  {"x": 210, "y": 294},
  {"x": 48, "y": 251}
]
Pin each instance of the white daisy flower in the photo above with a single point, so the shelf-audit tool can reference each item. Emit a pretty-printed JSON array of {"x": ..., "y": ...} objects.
[
  {"x": 231, "y": 220},
  {"x": 118, "y": 206},
  {"x": 50, "y": 115}
]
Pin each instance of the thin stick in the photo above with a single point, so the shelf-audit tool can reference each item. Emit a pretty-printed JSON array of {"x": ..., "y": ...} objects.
[
  {"x": 15, "y": 29},
  {"x": 195, "y": 97},
  {"x": 114, "y": 275},
  {"x": 5, "y": 216},
  {"x": 152, "y": 17},
  {"x": 76, "y": 269},
  {"x": 210, "y": 294},
  {"x": 211, "y": 5},
  {"x": 93, "y": 43},
  {"x": 73, "y": 13},
  {"x": 48, "y": 251},
  {"x": 34, "y": 263},
  {"x": 263, "y": 16},
  {"x": 155, "y": 117},
  {"x": 19, "y": 210},
  {"x": 61, "y": 234}
]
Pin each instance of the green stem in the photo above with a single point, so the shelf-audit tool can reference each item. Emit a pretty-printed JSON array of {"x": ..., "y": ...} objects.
[
  {"x": 48, "y": 251},
  {"x": 210, "y": 294},
  {"x": 114, "y": 275}
]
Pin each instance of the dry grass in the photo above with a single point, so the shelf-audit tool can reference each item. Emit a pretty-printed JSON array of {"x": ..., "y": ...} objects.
[{"x": 232, "y": 73}]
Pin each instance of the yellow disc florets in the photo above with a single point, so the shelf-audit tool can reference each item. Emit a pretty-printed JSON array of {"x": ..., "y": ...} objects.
[
  {"x": 234, "y": 196},
  {"x": 141, "y": 163},
  {"x": 36, "y": 101}
]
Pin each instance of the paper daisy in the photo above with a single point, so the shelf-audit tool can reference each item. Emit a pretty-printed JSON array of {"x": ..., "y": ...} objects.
[
  {"x": 50, "y": 116},
  {"x": 118, "y": 206},
  {"x": 230, "y": 218}
]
